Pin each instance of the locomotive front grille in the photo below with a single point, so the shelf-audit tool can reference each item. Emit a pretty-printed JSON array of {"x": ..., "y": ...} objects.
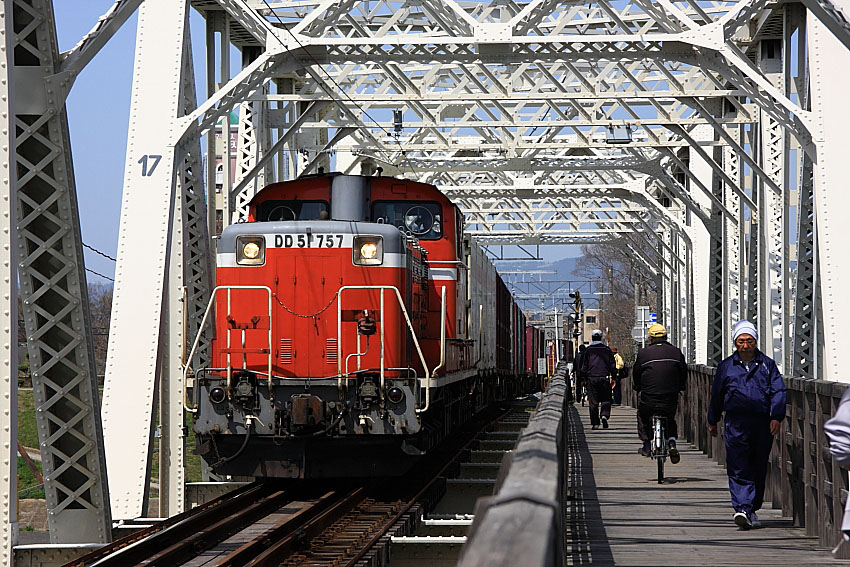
[
  {"x": 331, "y": 351},
  {"x": 286, "y": 351}
]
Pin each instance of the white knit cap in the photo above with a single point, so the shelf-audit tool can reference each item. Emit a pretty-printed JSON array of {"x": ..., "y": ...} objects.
[
  {"x": 596, "y": 334},
  {"x": 744, "y": 327}
]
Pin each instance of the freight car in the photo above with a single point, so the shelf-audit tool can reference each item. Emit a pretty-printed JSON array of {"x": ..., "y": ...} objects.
[
  {"x": 355, "y": 328},
  {"x": 535, "y": 350}
]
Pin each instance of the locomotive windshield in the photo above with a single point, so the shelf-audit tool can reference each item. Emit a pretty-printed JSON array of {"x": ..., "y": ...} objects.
[
  {"x": 291, "y": 210},
  {"x": 424, "y": 219}
]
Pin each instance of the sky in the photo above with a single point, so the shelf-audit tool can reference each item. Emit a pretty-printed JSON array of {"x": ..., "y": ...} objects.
[{"x": 98, "y": 115}]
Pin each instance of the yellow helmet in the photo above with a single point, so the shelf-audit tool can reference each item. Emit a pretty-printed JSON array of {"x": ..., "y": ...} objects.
[{"x": 657, "y": 330}]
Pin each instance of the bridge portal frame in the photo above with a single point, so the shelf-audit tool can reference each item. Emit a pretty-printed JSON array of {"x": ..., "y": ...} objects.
[{"x": 704, "y": 40}]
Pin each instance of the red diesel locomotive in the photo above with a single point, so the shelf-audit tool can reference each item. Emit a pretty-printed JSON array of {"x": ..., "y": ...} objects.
[{"x": 355, "y": 328}]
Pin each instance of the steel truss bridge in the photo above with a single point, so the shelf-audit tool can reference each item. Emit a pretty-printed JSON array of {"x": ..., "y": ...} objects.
[{"x": 708, "y": 138}]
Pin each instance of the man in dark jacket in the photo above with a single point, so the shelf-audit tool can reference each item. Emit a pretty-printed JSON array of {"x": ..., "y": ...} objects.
[
  {"x": 659, "y": 374},
  {"x": 580, "y": 392},
  {"x": 749, "y": 388},
  {"x": 597, "y": 368}
]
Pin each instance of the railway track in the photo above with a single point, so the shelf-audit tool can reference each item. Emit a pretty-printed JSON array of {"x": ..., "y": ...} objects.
[
  {"x": 318, "y": 524},
  {"x": 440, "y": 533}
]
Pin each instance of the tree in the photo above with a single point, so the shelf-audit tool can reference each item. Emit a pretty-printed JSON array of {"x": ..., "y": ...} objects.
[
  {"x": 100, "y": 306},
  {"x": 617, "y": 270}
]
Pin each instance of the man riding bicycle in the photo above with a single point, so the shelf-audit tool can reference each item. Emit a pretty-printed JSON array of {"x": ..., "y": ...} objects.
[{"x": 659, "y": 374}]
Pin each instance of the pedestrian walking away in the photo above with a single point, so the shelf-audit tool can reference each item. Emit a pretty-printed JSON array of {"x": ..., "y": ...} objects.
[
  {"x": 619, "y": 375},
  {"x": 659, "y": 374},
  {"x": 581, "y": 392},
  {"x": 748, "y": 387},
  {"x": 597, "y": 367}
]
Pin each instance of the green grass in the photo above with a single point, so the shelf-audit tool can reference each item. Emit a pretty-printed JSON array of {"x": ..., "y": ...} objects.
[
  {"x": 27, "y": 430},
  {"x": 27, "y": 481},
  {"x": 193, "y": 462},
  {"x": 28, "y": 436}
]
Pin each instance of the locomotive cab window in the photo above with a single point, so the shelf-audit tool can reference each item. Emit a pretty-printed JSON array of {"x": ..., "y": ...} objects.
[
  {"x": 270, "y": 211},
  {"x": 424, "y": 219}
]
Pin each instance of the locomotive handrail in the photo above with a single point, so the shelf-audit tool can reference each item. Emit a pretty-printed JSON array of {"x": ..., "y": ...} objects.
[
  {"x": 365, "y": 352},
  {"x": 382, "y": 288},
  {"x": 187, "y": 365},
  {"x": 428, "y": 376},
  {"x": 442, "y": 342}
]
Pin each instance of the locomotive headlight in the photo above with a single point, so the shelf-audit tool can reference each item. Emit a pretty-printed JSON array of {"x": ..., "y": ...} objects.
[
  {"x": 250, "y": 250},
  {"x": 368, "y": 250}
]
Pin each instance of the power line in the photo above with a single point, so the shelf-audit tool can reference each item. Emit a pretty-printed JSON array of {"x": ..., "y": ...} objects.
[
  {"x": 99, "y": 274},
  {"x": 338, "y": 86},
  {"x": 96, "y": 251}
]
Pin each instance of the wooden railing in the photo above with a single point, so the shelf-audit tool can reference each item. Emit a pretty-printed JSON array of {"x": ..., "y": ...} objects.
[{"x": 802, "y": 479}]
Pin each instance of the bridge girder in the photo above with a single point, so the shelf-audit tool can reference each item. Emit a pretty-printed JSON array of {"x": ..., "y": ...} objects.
[{"x": 647, "y": 124}]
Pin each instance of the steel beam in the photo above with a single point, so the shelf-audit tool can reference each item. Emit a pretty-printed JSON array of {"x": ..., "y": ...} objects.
[
  {"x": 8, "y": 293},
  {"x": 833, "y": 145},
  {"x": 731, "y": 233},
  {"x": 717, "y": 273},
  {"x": 253, "y": 141},
  {"x": 773, "y": 159},
  {"x": 806, "y": 316},
  {"x": 74, "y": 60},
  {"x": 153, "y": 165},
  {"x": 53, "y": 287},
  {"x": 700, "y": 254},
  {"x": 198, "y": 256},
  {"x": 834, "y": 16},
  {"x": 187, "y": 292}
]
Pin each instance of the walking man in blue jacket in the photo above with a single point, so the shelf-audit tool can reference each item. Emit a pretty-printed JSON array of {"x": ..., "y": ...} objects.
[{"x": 749, "y": 388}]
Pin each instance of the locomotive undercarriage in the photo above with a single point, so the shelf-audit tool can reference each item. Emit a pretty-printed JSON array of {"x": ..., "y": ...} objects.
[{"x": 315, "y": 430}]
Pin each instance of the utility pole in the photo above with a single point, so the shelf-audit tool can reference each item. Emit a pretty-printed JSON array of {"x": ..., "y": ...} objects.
[
  {"x": 557, "y": 345},
  {"x": 578, "y": 309}
]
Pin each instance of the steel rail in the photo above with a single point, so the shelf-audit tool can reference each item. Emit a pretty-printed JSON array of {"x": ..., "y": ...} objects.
[
  {"x": 203, "y": 539},
  {"x": 330, "y": 517},
  {"x": 413, "y": 501},
  {"x": 130, "y": 548},
  {"x": 271, "y": 551}
]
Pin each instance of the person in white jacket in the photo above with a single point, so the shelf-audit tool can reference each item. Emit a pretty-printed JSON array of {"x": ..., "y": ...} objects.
[{"x": 837, "y": 431}]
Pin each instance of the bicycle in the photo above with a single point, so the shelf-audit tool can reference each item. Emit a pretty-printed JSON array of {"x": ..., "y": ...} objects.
[{"x": 658, "y": 449}]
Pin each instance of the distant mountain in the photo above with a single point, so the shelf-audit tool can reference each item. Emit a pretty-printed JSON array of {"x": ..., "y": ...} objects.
[
  {"x": 543, "y": 290},
  {"x": 565, "y": 269}
]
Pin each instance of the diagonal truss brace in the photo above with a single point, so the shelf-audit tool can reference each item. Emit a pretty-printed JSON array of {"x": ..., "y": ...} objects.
[{"x": 54, "y": 292}]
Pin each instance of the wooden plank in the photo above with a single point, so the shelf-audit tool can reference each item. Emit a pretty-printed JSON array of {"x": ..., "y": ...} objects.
[{"x": 619, "y": 515}]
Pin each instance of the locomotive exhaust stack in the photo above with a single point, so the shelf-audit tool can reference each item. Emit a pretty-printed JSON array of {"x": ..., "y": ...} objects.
[{"x": 350, "y": 198}]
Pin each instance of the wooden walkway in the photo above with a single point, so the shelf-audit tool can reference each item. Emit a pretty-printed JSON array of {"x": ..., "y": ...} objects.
[{"x": 620, "y": 515}]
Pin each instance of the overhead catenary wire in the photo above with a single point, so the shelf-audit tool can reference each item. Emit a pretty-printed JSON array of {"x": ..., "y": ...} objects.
[
  {"x": 338, "y": 86},
  {"x": 96, "y": 251},
  {"x": 99, "y": 274},
  {"x": 105, "y": 255}
]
